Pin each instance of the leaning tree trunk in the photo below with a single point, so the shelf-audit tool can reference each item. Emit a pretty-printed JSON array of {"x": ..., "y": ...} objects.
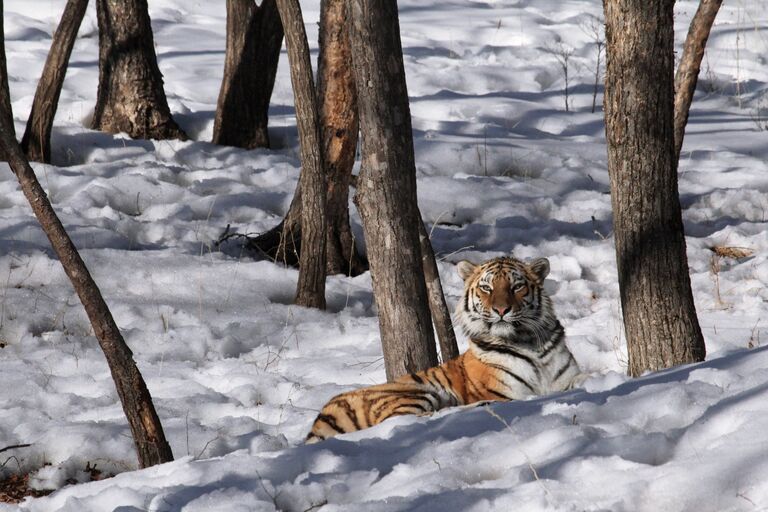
[
  {"x": 441, "y": 315},
  {"x": 386, "y": 188},
  {"x": 130, "y": 97},
  {"x": 337, "y": 98},
  {"x": 688, "y": 70},
  {"x": 659, "y": 314},
  {"x": 148, "y": 436},
  {"x": 310, "y": 290},
  {"x": 5, "y": 93},
  {"x": 36, "y": 142},
  {"x": 254, "y": 39}
]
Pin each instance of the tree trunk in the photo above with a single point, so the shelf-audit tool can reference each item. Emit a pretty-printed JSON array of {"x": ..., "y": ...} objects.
[
  {"x": 130, "y": 97},
  {"x": 5, "y": 94},
  {"x": 337, "y": 98},
  {"x": 441, "y": 315},
  {"x": 310, "y": 291},
  {"x": 36, "y": 142},
  {"x": 254, "y": 39},
  {"x": 386, "y": 189},
  {"x": 337, "y": 102},
  {"x": 659, "y": 314},
  {"x": 688, "y": 70},
  {"x": 148, "y": 436}
]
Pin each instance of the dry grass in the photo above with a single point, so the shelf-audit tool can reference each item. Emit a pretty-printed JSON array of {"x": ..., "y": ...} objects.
[{"x": 732, "y": 252}]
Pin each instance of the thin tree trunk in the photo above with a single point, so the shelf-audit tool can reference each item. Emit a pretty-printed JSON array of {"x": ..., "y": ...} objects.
[
  {"x": 337, "y": 98},
  {"x": 254, "y": 39},
  {"x": 659, "y": 313},
  {"x": 5, "y": 94},
  {"x": 148, "y": 436},
  {"x": 441, "y": 315},
  {"x": 690, "y": 64},
  {"x": 36, "y": 142},
  {"x": 386, "y": 189},
  {"x": 130, "y": 97},
  {"x": 310, "y": 290}
]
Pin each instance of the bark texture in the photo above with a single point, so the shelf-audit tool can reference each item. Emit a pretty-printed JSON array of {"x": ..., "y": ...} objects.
[
  {"x": 337, "y": 98},
  {"x": 151, "y": 445},
  {"x": 337, "y": 104},
  {"x": 441, "y": 315},
  {"x": 310, "y": 290},
  {"x": 386, "y": 189},
  {"x": 659, "y": 313},
  {"x": 36, "y": 142},
  {"x": 5, "y": 94},
  {"x": 130, "y": 97},
  {"x": 254, "y": 39},
  {"x": 690, "y": 64}
]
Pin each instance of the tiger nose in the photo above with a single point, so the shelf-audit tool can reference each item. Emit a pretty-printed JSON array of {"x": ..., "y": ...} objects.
[{"x": 503, "y": 310}]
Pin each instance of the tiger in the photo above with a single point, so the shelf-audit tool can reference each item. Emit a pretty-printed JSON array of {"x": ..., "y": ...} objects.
[{"x": 516, "y": 350}]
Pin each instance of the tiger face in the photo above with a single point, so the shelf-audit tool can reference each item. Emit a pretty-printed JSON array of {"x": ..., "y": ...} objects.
[{"x": 503, "y": 297}]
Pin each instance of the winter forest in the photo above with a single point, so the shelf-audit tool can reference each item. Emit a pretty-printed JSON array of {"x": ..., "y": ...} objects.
[{"x": 367, "y": 255}]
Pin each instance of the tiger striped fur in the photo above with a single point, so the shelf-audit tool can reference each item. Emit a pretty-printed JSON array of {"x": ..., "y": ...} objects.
[{"x": 516, "y": 349}]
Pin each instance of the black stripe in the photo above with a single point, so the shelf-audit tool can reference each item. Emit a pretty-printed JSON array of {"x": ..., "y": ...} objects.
[
  {"x": 417, "y": 378},
  {"x": 500, "y": 395},
  {"x": 466, "y": 301},
  {"x": 513, "y": 375},
  {"x": 490, "y": 347},
  {"x": 563, "y": 369},
  {"x": 312, "y": 435},
  {"x": 351, "y": 414},
  {"x": 558, "y": 339},
  {"x": 448, "y": 379},
  {"x": 330, "y": 421}
]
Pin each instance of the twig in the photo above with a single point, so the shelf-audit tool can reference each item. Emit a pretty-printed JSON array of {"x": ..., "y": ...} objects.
[{"x": 14, "y": 446}]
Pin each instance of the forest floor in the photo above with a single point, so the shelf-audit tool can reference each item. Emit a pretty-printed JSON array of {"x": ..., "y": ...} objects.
[{"x": 238, "y": 373}]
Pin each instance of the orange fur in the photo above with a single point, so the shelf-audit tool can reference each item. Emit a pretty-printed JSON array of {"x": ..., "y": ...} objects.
[{"x": 516, "y": 360}]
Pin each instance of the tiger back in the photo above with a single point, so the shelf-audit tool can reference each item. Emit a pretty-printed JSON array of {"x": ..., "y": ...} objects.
[{"x": 516, "y": 349}]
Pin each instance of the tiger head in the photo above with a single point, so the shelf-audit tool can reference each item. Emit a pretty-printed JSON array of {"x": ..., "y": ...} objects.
[{"x": 504, "y": 299}]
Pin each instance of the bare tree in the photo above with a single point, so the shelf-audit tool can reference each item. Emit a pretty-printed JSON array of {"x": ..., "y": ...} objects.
[
  {"x": 130, "y": 97},
  {"x": 594, "y": 28},
  {"x": 660, "y": 320},
  {"x": 386, "y": 190},
  {"x": 337, "y": 103},
  {"x": 5, "y": 95},
  {"x": 441, "y": 316},
  {"x": 339, "y": 125},
  {"x": 311, "y": 287},
  {"x": 254, "y": 39},
  {"x": 690, "y": 64},
  {"x": 148, "y": 436},
  {"x": 36, "y": 142}
]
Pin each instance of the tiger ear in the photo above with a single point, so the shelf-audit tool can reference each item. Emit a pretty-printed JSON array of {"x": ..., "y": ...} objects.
[
  {"x": 540, "y": 267},
  {"x": 465, "y": 268}
]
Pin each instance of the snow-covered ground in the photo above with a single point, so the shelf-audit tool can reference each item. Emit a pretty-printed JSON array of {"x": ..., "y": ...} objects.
[{"x": 238, "y": 373}]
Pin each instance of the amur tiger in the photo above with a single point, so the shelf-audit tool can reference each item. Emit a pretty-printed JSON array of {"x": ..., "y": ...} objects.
[{"x": 516, "y": 349}]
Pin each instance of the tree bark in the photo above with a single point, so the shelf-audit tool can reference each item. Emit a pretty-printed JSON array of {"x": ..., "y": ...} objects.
[
  {"x": 254, "y": 39},
  {"x": 690, "y": 64},
  {"x": 386, "y": 189},
  {"x": 659, "y": 313},
  {"x": 339, "y": 126},
  {"x": 337, "y": 102},
  {"x": 441, "y": 315},
  {"x": 130, "y": 97},
  {"x": 148, "y": 436},
  {"x": 310, "y": 290},
  {"x": 36, "y": 142},
  {"x": 5, "y": 94}
]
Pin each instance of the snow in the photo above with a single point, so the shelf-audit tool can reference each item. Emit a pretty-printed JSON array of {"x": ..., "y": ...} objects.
[{"x": 238, "y": 374}]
